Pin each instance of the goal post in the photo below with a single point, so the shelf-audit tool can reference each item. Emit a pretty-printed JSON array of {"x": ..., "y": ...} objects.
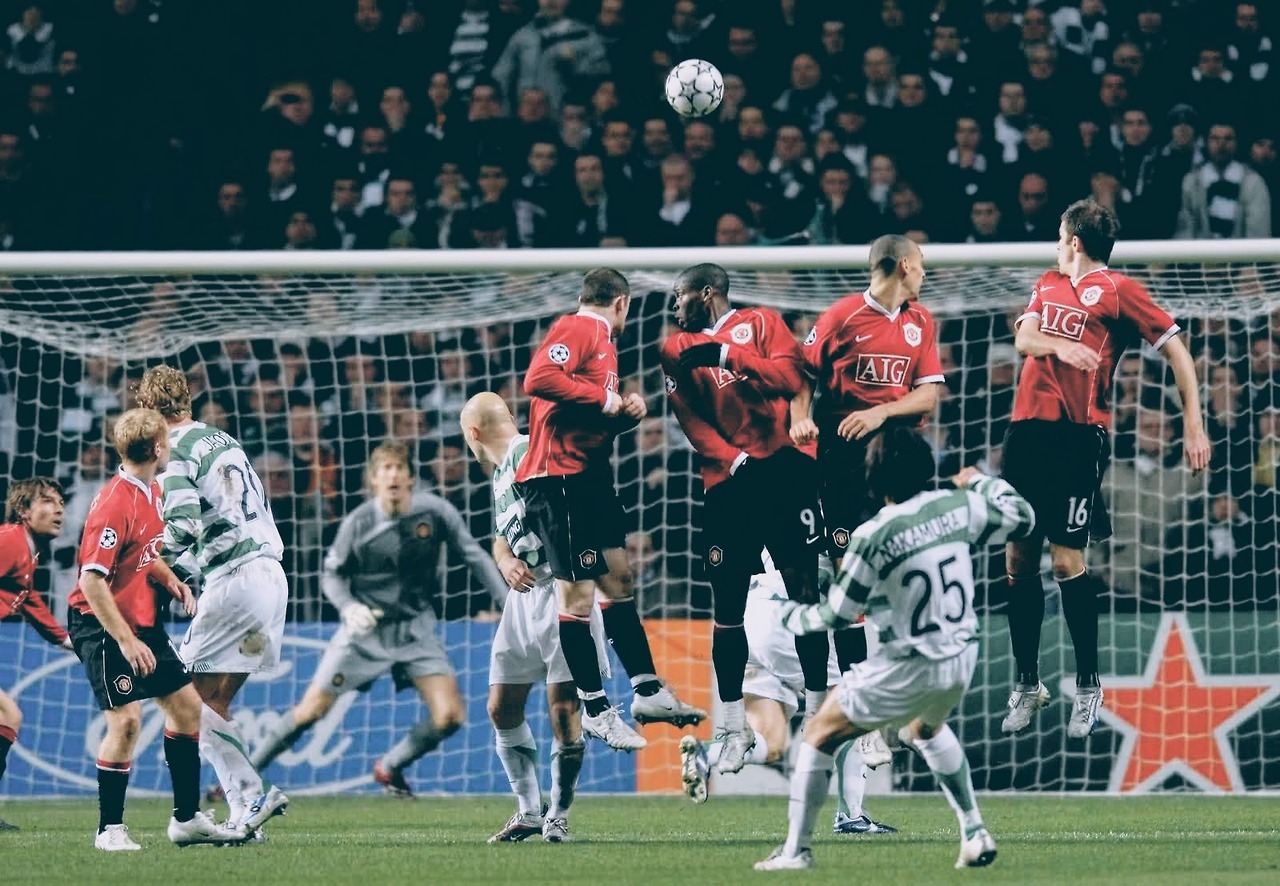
[{"x": 313, "y": 358}]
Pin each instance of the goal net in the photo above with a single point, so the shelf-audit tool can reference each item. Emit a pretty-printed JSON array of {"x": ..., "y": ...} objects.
[{"x": 311, "y": 360}]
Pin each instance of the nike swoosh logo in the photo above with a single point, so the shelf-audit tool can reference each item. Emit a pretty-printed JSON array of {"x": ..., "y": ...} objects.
[
  {"x": 862, "y": 338},
  {"x": 814, "y": 540},
  {"x": 602, "y": 356}
]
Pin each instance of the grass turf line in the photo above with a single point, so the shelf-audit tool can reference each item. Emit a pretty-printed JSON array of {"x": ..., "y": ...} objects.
[{"x": 660, "y": 840}]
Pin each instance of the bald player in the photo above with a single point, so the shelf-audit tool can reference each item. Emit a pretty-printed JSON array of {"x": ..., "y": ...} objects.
[{"x": 526, "y": 648}]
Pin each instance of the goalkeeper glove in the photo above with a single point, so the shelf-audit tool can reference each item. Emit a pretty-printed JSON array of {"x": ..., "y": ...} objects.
[
  {"x": 359, "y": 619},
  {"x": 700, "y": 355}
]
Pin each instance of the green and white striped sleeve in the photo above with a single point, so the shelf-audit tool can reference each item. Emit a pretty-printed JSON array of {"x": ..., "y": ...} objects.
[
  {"x": 182, "y": 510},
  {"x": 997, "y": 513},
  {"x": 846, "y": 599}
]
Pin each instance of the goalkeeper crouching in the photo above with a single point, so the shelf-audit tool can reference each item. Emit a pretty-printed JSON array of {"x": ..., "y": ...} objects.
[
  {"x": 382, "y": 574},
  {"x": 526, "y": 648},
  {"x": 909, "y": 570}
]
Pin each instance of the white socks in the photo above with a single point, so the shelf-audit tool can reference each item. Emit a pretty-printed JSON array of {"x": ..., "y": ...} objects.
[
  {"x": 733, "y": 715},
  {"x": 519, "y": 756},
  {"x": 851, "y": 779},
  {"x": 809, "y": 784},
  {"x": 223, "y": 746},
  {"x": 946, "y": 759}
]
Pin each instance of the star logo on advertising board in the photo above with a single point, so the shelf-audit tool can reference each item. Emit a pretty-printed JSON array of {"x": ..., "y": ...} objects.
[{"x": 1176, "y": 719}]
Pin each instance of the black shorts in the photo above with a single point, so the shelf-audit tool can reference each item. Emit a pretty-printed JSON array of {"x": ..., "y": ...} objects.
[
  {"x": 577, "y": 518},
  {"x": 112, "y": 678},
  {"x": 842, "y": 486},
  {"x": 769, "y": 503},
  {"x": 1057, "y": 466}
]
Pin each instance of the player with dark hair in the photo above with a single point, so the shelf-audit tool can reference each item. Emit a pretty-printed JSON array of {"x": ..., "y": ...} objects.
[
  {"x": 909, "y": 570},
  {"x": 872, "y": 359},
  {"x": 33, "y": 515},
  {"x": 730, "y": 376},
  {"x": 572, "y": 506},
  {"x": 382, "y": 574},
  {"x": 126, "y": 653},
  {"x": 1080, "y": 319}
]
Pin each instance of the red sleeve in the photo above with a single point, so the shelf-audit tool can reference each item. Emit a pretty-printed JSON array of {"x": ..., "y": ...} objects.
[
  {"x": 105, "y": 532},
  {"x": 37, "y": 612},
  {"x": 778, "y": 369},
  {"x": 704, "y": 438},
  {"x": 1153, "y": 324},
  {"x": 816, "y": 344},
  {"x": 11, "y": 554},
  {"x": 551, "y": 371},
  {"x": 1033, "y": 306},
  {"x": 929, "y": 366}
]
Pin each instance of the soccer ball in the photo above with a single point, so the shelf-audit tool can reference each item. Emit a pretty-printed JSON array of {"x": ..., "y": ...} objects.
[{"x": 694, "y": 88}]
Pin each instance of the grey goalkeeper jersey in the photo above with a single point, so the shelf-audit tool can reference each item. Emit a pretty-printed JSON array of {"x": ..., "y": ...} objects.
[{"x": 397, "y": 564}]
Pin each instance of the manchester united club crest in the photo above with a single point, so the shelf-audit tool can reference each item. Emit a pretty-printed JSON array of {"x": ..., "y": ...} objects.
[
  {"x": 741, "y": 334},
  {"x": 123, "y": 684},
  {"x": 840, "y": 537},
  {"x": 587, "y": 558},
  {"x": 912, "y": 333},
  {"x": 1091, "y": 296},
  {"x": 422, "y": 530},
  {"x": 715, "y": 556}
]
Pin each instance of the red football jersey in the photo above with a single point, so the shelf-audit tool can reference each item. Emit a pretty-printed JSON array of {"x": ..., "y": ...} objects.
[
  {"x": 18, "y": 595},
  {"x": 1103, "y": 310},
  {"x": 743, "y": 405},
  {"x": 121, "y": 542},
  {"x": 569, "y": 379},
  {"x": 862, "y": 355}
]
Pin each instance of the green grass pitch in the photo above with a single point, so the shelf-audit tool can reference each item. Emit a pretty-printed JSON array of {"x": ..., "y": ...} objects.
[{"x": 666, "y": 840}]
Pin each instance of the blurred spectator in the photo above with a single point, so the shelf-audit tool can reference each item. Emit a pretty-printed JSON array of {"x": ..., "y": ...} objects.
[
  {"x": 478, "y": 37},
  {"x": 686, "y": 215},
  {"x": 340, "y": 120},
  {"x": 31, "y": 43},
  {"x": 1034, "y": 219},
  {"x": 948, "y": 63},
  {"x": 808, "y": 98},
  {"x": 1224, "y": 198},
  {"x": 552, "y": 53},
  {"x": 594, "y": 212},
  {"x": 1250, "y": 51},
  {"x": 399, "y": 224},
  {"x": 1262, "y": 158},
  {"x": 1209, "y": 564},
  {"x": 879, "y": 89},
  {"x": 1081, "y": 27}
]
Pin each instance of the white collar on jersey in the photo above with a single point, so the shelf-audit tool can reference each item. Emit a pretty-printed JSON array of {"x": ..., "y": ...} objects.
[
  {"x": 1075, "y": 281},
  {"x": 608, "y": 327},
  {"x": 129, "y": 478},
  {"x": 719, "y": 324},
  {"x": 876, "y": 306}
]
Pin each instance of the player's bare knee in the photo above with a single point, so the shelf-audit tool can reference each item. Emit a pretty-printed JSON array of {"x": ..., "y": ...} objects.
[
  {"x": 619, "y": 584},
  {"x": 577, "y": 598},
  {"x": 503, "y": 714},
  {"x": 1018, "y": 561},
  {"x": 10, "y": 715},
  {"x": 449, "y": 720},
  {"x": 1067, "y": 562},
  {"x": 921, "y": 731},
  {"x": 565, "y": 724},
  {"x": 125, "y": 724}
]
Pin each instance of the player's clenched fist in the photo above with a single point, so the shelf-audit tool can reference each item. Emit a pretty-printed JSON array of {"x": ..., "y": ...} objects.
[
  {"x": 358, "y": 619},
  {"x": 803, "y": 431},
  {"x": 634, "y": 406},
  {"x": 516, "y": 573}
]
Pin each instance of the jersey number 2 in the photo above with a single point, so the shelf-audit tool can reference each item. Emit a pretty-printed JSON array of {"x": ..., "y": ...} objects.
[
  {"x": 919, "y": 626},
  {"x": 247, "y": 485}
]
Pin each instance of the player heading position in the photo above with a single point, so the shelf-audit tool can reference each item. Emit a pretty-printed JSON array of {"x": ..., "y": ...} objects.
[
  {"x": 217, "y": 518},
  {"x": 909, "y": 570},
  {"x": 126, "y": 654},
  {"x": 730, "y": 377},
  {"x": 573, "y": 508},
  {"x": 382, "y": 574},
  {"x": 873, "y": 359},
  {"x": 1079, "y": 321},
  {"x": 526, "y": 648},
  {"x": 33, "y": 515}
]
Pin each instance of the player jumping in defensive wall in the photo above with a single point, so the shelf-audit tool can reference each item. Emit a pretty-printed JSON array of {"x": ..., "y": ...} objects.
[
  {"x": 526, "y": 648},
  {"x": 909, "y": 570}
]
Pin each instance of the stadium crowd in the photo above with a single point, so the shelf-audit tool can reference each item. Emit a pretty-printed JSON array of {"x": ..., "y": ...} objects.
[{"x": 377, "y": 124}]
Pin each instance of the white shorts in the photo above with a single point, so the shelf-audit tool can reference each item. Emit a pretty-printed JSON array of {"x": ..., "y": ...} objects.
[
  {"x": 894, "y": 691},
  {"x": 526, "y": 648},
  {"x": 239, "y": 623},
  {"x": 773, "y": 668}
]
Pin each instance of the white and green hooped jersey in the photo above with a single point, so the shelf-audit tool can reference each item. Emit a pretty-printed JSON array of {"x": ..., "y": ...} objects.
[
  {"x": 214, "y": 506},
  {"x": 508, "y": 511},
  {"x": 909, "y": 569}
]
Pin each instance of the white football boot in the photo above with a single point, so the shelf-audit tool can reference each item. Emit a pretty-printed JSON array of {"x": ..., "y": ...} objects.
[
  {"x": 609, "y": 727},
  {"x": 977, "y": 850},
  {"x": 115, "y": 838},
  {"x": 1024, "y": 701}
]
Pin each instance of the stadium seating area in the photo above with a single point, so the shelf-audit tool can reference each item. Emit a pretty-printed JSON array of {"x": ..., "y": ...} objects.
[{"x": 379, "y": 124}]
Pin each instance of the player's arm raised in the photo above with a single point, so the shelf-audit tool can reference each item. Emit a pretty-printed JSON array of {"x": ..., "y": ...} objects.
[
  {"x": 461, "y": 542},
  {"x": 1031, "y": 342},
  {"x": 997, "y": 513},
  {"x": 778, "y": 371}
]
